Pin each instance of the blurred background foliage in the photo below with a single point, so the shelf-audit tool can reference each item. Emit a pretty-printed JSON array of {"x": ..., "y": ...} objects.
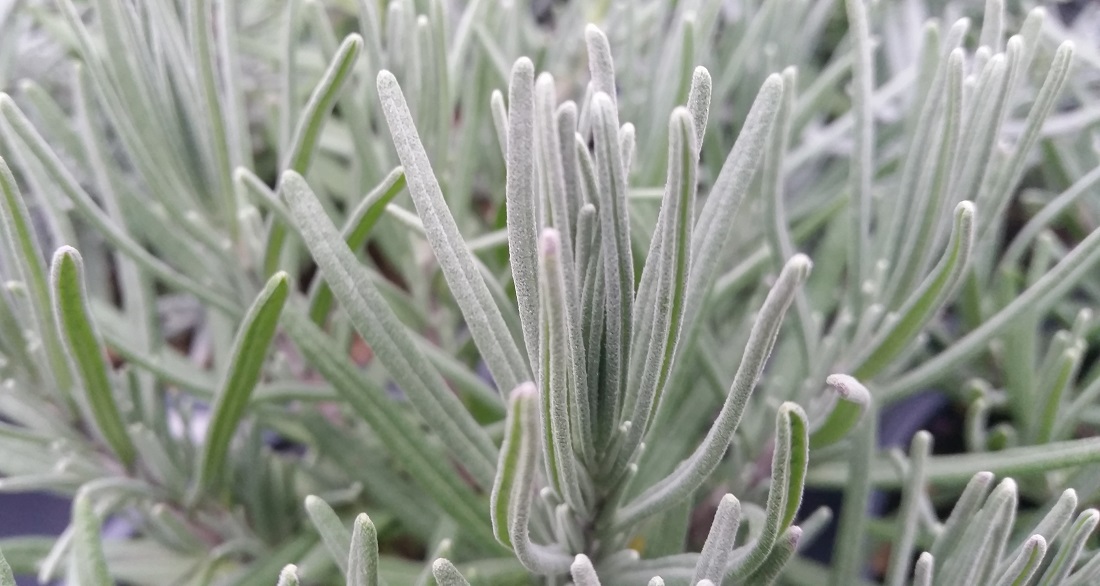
[{"x": 152, "y": 137}]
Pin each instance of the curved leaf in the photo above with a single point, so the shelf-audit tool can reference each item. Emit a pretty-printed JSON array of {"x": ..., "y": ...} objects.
[
  {"x": 245, "y": 366},
  {"x": 82, "y": 342},
  {"x": 851, "y": 402}
]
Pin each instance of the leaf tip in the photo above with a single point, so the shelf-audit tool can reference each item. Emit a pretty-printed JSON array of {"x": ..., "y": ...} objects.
[
  {"x": 849, "y": 388},
  {"x": 386, "y": 81},
  {"x": 550, "y": 242},
  {"x": 353, "y": 40},
  {"x": 593, "y": 34},
  {"x": 525, "y": 390},
  {"x": 523, "y": 68}
]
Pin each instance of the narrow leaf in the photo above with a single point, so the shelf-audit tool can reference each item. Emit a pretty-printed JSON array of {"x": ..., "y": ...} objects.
[
  {"x": 90, "y": 564},
  {"x": 332, "y": 531},
  {"x": 483, "y": 317},
  {"x": 584, "y": 574},
  {"x": 289, "y": 576},
  {"x": 932, "y": 295},
  {"x": 360, "y": 223},
  {"x": 851, "y": 552},
  {"x": 698, "y": 102},
  {"x": 363, "y": 557},
  {"x": 923, "y": 573},
  {"x": 720, "y": 541},
  {"x": 522, "y": 203},
  {"x": 1024, "y": 563},
  {"x": 716, "y": 219},
  {"x": 693, "y": 471},
  {"x": 22, "y": 249},
  {"x": 908, "y": 521},
  {"x": 659, "y": 308},
  {"x": 245, "y": 367},
  {"x": 311, "y": 121},
  {"x": 789, "y": 461},
  {"x": 773, "y": 565},
  {"x": 1070, "y": 548},
  {"x": 851, "y": 402},
  {"x": 557, "y": 377},
  {"x": 957, "y": 469},
  {"x": 446, "y": 574},
  {"x": 387, "y": 336},
  {"x": 600, "y": 64},
  {"x": 978, "y": 537},
  {"x": 85, "y": 348},
  {"x": 510, "y": 502}
]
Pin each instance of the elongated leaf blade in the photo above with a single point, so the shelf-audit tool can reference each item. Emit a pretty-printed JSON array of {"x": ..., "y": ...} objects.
[
  {"x": 852, "y": 401},
  {"x": 522, "y": 202},
  {"x": 356, "y": 231},
  {"x": 373, "y": 318},
  {"x": 333, "y": 533},
  {"x": 363, "y": 557},
  {"x": 21, "y": 247},
  {"x": 83, "y": 344},
  {"x": 693, "y": 471},
  {"x": 91, "y": 565},
  {"x": 929, "y": 298},
  {"x": 483, "y": 316},
  {"x": 720, "y": 540},
  {"x": 245, "y": 367}
]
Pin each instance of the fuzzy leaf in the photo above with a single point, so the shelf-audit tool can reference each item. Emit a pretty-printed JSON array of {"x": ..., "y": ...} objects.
[
  {"x": 1070, "y": 549},
  {"x": 584, "y": 574},
  {"x": 245, "y": 367},
  {"x": 956, "y": 469},
  {"x": 981, "y": 539},
  {"x": 510, "y": 502},
  {"x": 773, "y": 565},
  {"x": 90, "y": 563},
  {"x": 851, "y": 402},
  {"x": 659, "y": 309},
  {"x": 356, "y": 231},
  {"x": 715, "y": 221},
  {"x": 6, "y": 577},
  {"x": 789, "y": 462},
  {"x": 557, "y": 381},
  {"x": 693, "y": 471},
  {"x": 483, "y": 317},
  {"x": 522, "y": 203},
  {"x": 618, "y": 259},
  {"x": 332, "y": 531},
  {"x": 720, "y": 541},
  {"x": 446, "y": 574},
  {"x": 83, "y": 344},
  {"x": 288, "y": 576},
  {"x": 1024, "y": 563},
  {"x": 925, "y": 301},
  {"x": 362, "y": 567},
  {"x": 907, "y": 520},
  {"x": 387, "y": 336},
  {"x": 21, "y": 250},
  {"x": 303, "y": 143},
  {"x": 923, "y": 573}
]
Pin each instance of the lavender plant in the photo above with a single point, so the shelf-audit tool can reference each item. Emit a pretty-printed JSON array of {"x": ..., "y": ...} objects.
[{"x": 536, "y": 367}]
